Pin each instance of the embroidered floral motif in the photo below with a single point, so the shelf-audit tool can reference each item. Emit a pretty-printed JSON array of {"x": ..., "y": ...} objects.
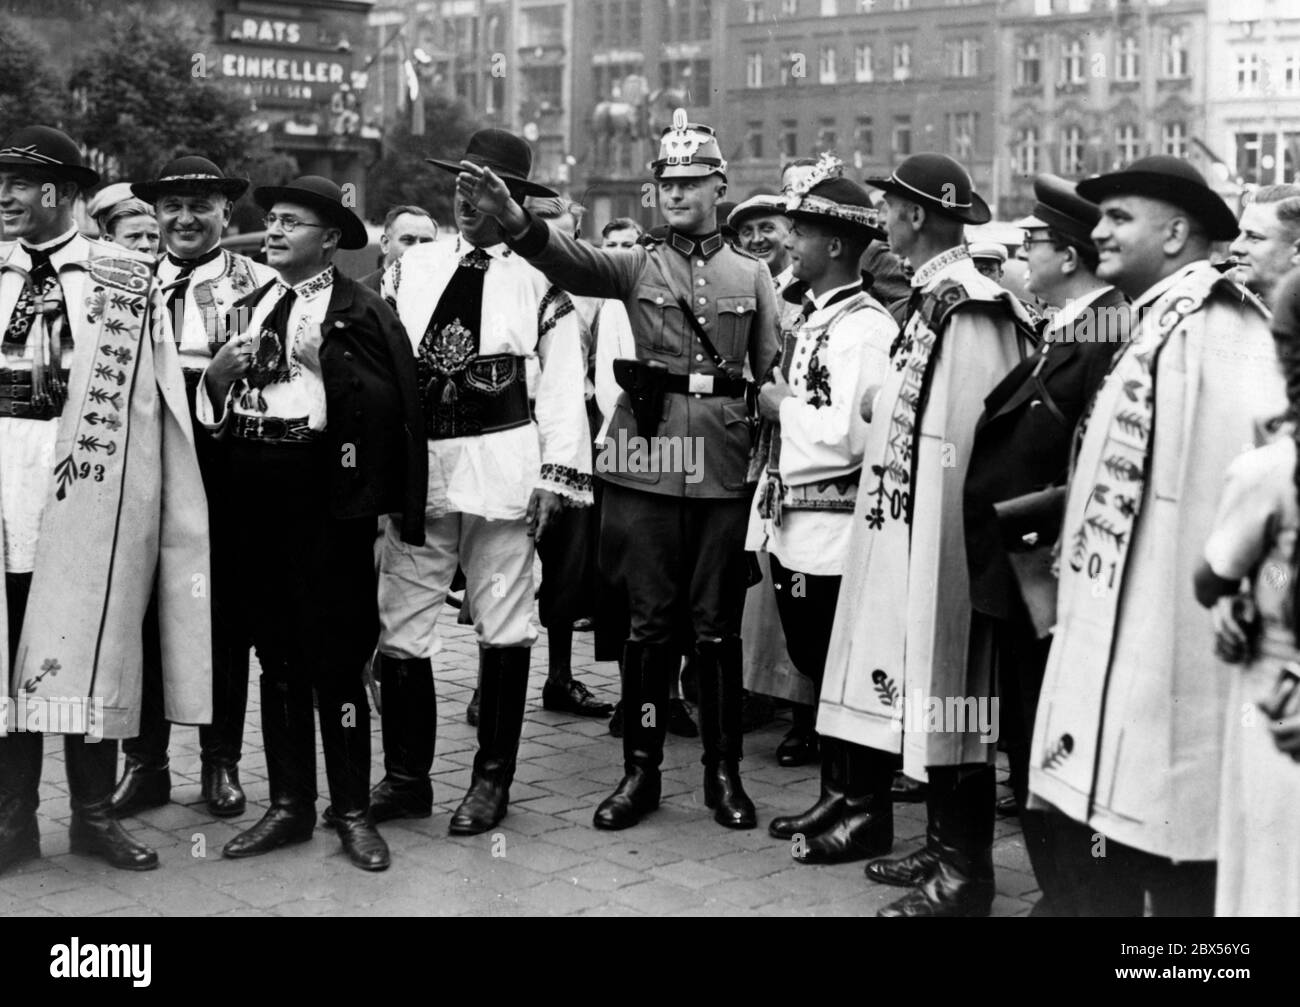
[
  {"x": 1059, "y": 753},
  {"x": 579, "y": 483},
  {"x": 886, "y": 689}
]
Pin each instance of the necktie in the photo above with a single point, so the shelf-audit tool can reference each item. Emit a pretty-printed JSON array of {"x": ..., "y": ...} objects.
[
  {"x": 176, "y": 299},
  {"x": 41, "y": 278},
  {"x": 270, "y": 351}
]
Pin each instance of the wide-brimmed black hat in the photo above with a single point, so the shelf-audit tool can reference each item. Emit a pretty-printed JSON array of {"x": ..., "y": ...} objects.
[
  {"x": 189, "y": 175},
  {"x": 50, "y": 150},
  {"x": 1170, "y": 180},
  {"x": 1060, "y": 207},
  {"x": 509, "y": 158},
  {"x": 321, "y": 195},
  {"x": 939, "y": 183}
]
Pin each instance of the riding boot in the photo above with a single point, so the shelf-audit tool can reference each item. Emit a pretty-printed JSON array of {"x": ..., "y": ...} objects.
[
  {"x": 221, "y": 743},
  {"x": 719, "y": 667},
  {"x": 21, "y": 754},
  {"x": 146, "y": 774},
  {"x": 865, "y": 827},
  {"x": 916, "y": 867},
  {"x": 91, "y": 768},
  {"x": 290, "y": 739},
  {"x": 410, "y": 723},
  {"x": 962, "y": 881},
  {"x": 830, "y": 802},
  {"x": 647, "y": 669},
  {"x": 345, "y": 739},
  {"x": 504, "y": 674}
]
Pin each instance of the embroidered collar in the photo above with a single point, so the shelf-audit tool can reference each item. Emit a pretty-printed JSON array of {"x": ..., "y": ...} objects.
[
  {"x": 498, "y": 251},
  {"x": 309, "y": 288},
  {"x": 688, "y": 245},
  {"x": 197, "y": 261},
  {"x": 1153, "y": 292},
  {"x": 53, "y": 245},
  {"x": 938, "y": 264}
]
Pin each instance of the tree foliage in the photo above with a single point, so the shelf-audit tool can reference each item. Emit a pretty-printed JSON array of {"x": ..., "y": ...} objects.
[
  {"x": 401, "y": 174},
  {"x": 29, "y": 91}
]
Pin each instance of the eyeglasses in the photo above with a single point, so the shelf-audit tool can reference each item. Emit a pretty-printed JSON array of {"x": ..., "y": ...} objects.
[
  {"x": 287, "y": 224},
  {"x": 1029, "y": 242}
]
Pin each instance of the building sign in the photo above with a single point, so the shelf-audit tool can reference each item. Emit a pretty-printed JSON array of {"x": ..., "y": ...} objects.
[
  {"x": 270, "y": 31},
  {"x": 285, "y": 77}
]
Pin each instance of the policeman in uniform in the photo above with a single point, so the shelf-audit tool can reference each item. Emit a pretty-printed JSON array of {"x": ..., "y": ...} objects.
[{"x": 676, "y": 507}]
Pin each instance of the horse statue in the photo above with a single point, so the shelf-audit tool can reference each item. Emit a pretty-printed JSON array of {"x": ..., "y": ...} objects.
[{"x": 619, "y": 123}]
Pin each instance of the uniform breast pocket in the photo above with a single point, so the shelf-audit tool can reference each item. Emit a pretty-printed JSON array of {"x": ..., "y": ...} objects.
[
  {"x": 659, "y": 320},
  {"x": 735, "y": 318}
]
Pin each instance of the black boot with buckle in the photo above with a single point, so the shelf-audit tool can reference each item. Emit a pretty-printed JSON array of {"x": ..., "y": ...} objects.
[
  {"x": 410, "y": 723},
  {"x": 504, "y": 688},
  {"x": 289, "y": 735},
  {"x": 646, "y": 671},
  {"x": 865, "y": 825},
  {"x": 94, "y": 832},
  {"x": 719, "y": 666}
]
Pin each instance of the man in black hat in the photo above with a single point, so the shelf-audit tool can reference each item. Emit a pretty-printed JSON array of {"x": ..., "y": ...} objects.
[
  {"x": 906, "y": 641},
  {"x": 1021, "y": 455},
  {"x": 477, "y": 314},
  {"x": 838, "y": 348},
  {"x": 92, "y": 415},
  {"x": 676, "y": 504},
  {"x": 1128, "y": 737},
  {"x": 314, "y": 401},
  {"x": 201, "y": 281}
]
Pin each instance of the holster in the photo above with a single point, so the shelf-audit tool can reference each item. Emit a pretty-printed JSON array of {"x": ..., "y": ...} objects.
[{"x": 645, "y": 383}]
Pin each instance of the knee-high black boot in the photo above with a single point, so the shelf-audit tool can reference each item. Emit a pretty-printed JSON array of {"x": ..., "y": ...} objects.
[
  {"x": 916, "y": 867},
  {"x": 647, "y": 668},
  {"x": 290, "y": 739},
  {"x": 865, "y": 826},
  {"x": 92, "y": 767},
  {"x": 719, "y": 666},
  {"x": 21, "y": 754},
  {"x": 345, "y": 738},
  {"x": 830, "y": 802},
  {"x": 961, "y": 883},
  {"x": 146, "y": 774},
  {"x": 221, "y": 743},
  {"x": 504, "y": 673},
  {"x": 410, "y": 723}
]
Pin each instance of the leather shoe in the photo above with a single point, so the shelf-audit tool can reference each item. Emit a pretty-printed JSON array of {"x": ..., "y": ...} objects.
[
  {"x": 906, "y": 872},
  {"x": 820, "y": 817},
  {"x": 637, "y": 795},
  {"x": 1008, "y": 807},
  {"x": 948, "y": 892},
  {"x": 362, "y": 842},
  {"x": 679, "y": 720},
  {"x": 280, "y": 826},
  {"x": 222, "y": 791},
  {"x": 471, "y": 711},
  {"x": 388, "y": 802},
  {"x": 907, "y": 790},
  {"x": 483, "y": 807},
  {"x": 94, "y": 833},
  {"x": 140, "y": 789},
  {"x": 572, "y": 697},
  {"x": 856, "y": 836},
  {"x": 797, "y": 749},
  {"x": 725, "y": 795},
  {"x": 23, "y": 844}
]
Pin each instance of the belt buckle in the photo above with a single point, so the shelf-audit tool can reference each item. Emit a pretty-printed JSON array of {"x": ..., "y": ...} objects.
[
  {"x": 699, "y": 384},
  {"x": 271, "y": 428}
]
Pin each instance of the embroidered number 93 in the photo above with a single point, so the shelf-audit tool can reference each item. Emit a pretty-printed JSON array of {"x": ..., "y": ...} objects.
[{"x": 86, "y": 468}]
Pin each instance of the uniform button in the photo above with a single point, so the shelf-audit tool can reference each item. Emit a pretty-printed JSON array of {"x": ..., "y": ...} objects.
[
  {"x": 347, "y": 354},
  {"x": 700, "y": 319},
  {"x": 659, "y": 300},
  {"x": 697, "y": 395},
  {"x": 339, "y": 324},
  {"x": 1036, "y": 402},
  {"x": 699, "y": 356},
  {"x": 704, "y": 300},
  {"x": 700, "y": 282},
  {"x": 699, "y": 263}
]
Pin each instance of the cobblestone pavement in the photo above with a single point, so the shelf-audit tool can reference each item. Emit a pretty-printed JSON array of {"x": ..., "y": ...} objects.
[{"x": 545, "y": 858}]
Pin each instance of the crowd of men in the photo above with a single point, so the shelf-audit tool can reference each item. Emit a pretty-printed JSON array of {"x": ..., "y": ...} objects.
[{"x": 812, "y": 447}]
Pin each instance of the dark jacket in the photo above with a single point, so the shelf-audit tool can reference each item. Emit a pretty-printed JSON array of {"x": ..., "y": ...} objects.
[
  {"x": 372, "y": 408},
  {"x": 889, "y": 283},
  {"x": 371, "y": 281},
  {"x": 1021, "y": 445}
]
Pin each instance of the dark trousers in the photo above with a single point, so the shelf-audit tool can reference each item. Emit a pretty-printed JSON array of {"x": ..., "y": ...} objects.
[
  {"x": 1104, "y": 878},
  {"x": 806, "y": 604},
  {"x": 667, "y": 553}
]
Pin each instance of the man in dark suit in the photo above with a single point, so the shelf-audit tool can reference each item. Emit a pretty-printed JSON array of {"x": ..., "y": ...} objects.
[
  {"x": 1022, "y": 446},
  {"x": 404, "y": 228}
]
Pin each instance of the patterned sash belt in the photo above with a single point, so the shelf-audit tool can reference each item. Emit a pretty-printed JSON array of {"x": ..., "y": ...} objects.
[
  {"x": 488, "y": 394},
  {"x": 273, "y": 429},
  {"x": 16, "y": 396}
]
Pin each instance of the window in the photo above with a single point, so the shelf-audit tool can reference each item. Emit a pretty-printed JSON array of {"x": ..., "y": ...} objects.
[
  {"x": 826, "y": 65},
  {"x": 1027, "y": 150},
  {"x": 790, "y": 8},
  {"x": 826, "y": 134},
  {"x": 754, "y": 69},
  {"x": 754, "y": 139},
  {"x": 544, "y": 86},
  {"x": 1072, "y": 151},
  {"x": 789, "y": 139},
  {"x": 1248, "y": 150},
  {"x": 1129, "y": 62},
  {"x": 753, "y": 11},
  {"x": 902, "y": 60},
  {"x": 1173, "y": 53},
  {"x": 1127, "y": 143},
  {"x": 1029, "y": 63},
  {"x": 902, "y": 4},
  {"x": 961, "y": 57},
  {"x": 862, "y": 71},
  {"x": 541, "y": 26},
  {"x": 902, "y": 138},
  {"x": 1248, "y": 73},
  {"x": 1291, "y": 76},
  {"x": 787, "y": 66},
  {"x": 863, "y": 140},
  {"x": 961, "y": 135},
  {"x": 703, "y": 18},
  {"x": 1072, "y": 60},
  {"x": 1173, "y": 139},
  {"x": 598, "y": 37},
  {"x": 829, "y": 8}
]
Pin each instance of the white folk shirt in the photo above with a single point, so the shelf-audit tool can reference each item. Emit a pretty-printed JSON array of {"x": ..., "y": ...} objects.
[
  {"x": 27, "y": 445},
  {"x": 825, "y": 440},
  {"x": 493, "y": 475},
  {"x": 303, "y": 395},
  {"x": 214, "y": 278}
]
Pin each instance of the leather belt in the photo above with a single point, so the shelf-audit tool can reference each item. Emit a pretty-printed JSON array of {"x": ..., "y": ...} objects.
[
  {"x": 16, "y": 396},
  {"x": 273, "y": 429},
  {"x": 705, "y": 384}
]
